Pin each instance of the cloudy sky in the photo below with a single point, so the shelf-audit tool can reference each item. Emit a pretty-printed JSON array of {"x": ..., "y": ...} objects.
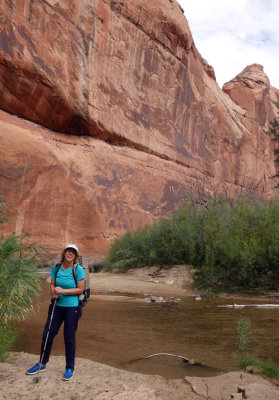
[{"x": 231, "y": 34}]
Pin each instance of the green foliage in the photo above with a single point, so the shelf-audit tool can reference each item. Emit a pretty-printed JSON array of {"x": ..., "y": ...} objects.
[
  {"x": 19, "y": 286},
  {"x": 8, "y": 335},
  {"x": 265, "y": 368},
  {"x": 19, "y": 283},
  {"x": 240, "y": 241},
  {"x": 3, "y": 212},
  {"x": 274, "y": 131},
  {"x": 234, "y": 245},
  {"x": 243, "y": 332}
]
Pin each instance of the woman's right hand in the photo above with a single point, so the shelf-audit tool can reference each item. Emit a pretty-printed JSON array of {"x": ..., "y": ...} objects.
[{"x": 54, "y": 294}]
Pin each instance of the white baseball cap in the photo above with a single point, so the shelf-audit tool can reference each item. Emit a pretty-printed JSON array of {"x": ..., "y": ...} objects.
[{"x": 72, "y": 246}]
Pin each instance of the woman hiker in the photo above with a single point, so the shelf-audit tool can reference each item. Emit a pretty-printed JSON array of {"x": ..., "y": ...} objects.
[{"x": 64, "y": 308}]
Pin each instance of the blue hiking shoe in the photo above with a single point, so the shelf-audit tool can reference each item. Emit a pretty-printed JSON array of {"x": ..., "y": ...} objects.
[
  {"x": 68, "y": 374},
  {"x": 35, "y": 369}
]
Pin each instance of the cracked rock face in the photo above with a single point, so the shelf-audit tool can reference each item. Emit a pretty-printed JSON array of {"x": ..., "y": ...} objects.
[{"x": 119, "y": 117}]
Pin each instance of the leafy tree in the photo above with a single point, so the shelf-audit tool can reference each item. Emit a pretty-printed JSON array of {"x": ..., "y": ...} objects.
[{"x": 274, "y": 131}]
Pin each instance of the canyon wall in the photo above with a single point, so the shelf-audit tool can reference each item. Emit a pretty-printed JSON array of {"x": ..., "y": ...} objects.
[{"x": 109, "y": 116}]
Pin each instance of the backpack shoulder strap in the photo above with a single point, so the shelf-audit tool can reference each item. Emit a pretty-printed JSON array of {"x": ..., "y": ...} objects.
[
  {"x": 75, "y": 272},
  {"x": 57, "y": 266}
]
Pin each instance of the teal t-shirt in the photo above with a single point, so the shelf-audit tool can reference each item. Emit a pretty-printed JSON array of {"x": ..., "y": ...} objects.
[{"x": 65, "y": 279}]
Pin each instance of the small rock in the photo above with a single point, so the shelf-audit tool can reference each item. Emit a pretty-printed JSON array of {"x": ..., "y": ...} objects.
[
  {"x": 155, "y": 299},
  {"x": 241, "y": 389},
  {"x": 249, "y": 369},
  {"x": 252, "y": 369},
  {"x": 148, "y": 300},
  {"x": 173, "y": 300}
]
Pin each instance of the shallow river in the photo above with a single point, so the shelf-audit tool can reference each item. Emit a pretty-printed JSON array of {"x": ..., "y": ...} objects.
[{"x": 118, "y": 333}]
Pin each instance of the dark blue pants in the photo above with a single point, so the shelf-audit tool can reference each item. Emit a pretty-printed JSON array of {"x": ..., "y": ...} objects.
[{"x": 70, "y": 316}]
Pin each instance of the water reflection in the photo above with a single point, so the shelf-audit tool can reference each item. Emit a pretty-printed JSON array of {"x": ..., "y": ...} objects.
[{"x": 119, "y": 332}]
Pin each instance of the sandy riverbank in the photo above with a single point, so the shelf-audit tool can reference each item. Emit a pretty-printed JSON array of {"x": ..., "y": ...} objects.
[
  {"x": 144, "y": 282},
  {"x": 95, "y": 381},
  {"x": 140, "y": 283}
]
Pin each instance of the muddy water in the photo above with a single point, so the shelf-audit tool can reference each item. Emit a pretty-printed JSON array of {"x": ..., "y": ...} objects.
[{"x": 118, "y": 333}]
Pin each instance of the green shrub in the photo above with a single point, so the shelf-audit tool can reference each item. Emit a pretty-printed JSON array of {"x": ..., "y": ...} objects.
[
  {"x": 8, "y": 335},
  {"x": 19, "y": 282},
  {"x": 265, "y": 368},
  {"x": 243, "y": 333},
  {"x": 20, "y": 285},
  {"x": 234, "y": 245}
]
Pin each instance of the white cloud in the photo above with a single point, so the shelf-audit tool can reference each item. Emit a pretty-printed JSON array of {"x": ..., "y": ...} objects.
[{"x": 233, "y": 34}]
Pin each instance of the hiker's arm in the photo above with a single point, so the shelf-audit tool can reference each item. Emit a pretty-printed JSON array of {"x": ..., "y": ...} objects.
[
  {"x": 52, "y": 289},
  {"x": 78, "y": 290}
]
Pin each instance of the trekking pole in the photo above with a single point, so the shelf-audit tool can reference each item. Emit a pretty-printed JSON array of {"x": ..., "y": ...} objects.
[{"x": 37, "y": 378}]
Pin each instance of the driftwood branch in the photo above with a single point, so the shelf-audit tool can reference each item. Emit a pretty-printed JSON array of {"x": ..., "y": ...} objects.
[
  {"x": 249, "y": 305},
  {"x": 186, "y": 360}
]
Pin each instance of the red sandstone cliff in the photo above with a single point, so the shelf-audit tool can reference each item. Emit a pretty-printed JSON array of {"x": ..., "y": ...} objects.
[{"x": 110, "y": 115}]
